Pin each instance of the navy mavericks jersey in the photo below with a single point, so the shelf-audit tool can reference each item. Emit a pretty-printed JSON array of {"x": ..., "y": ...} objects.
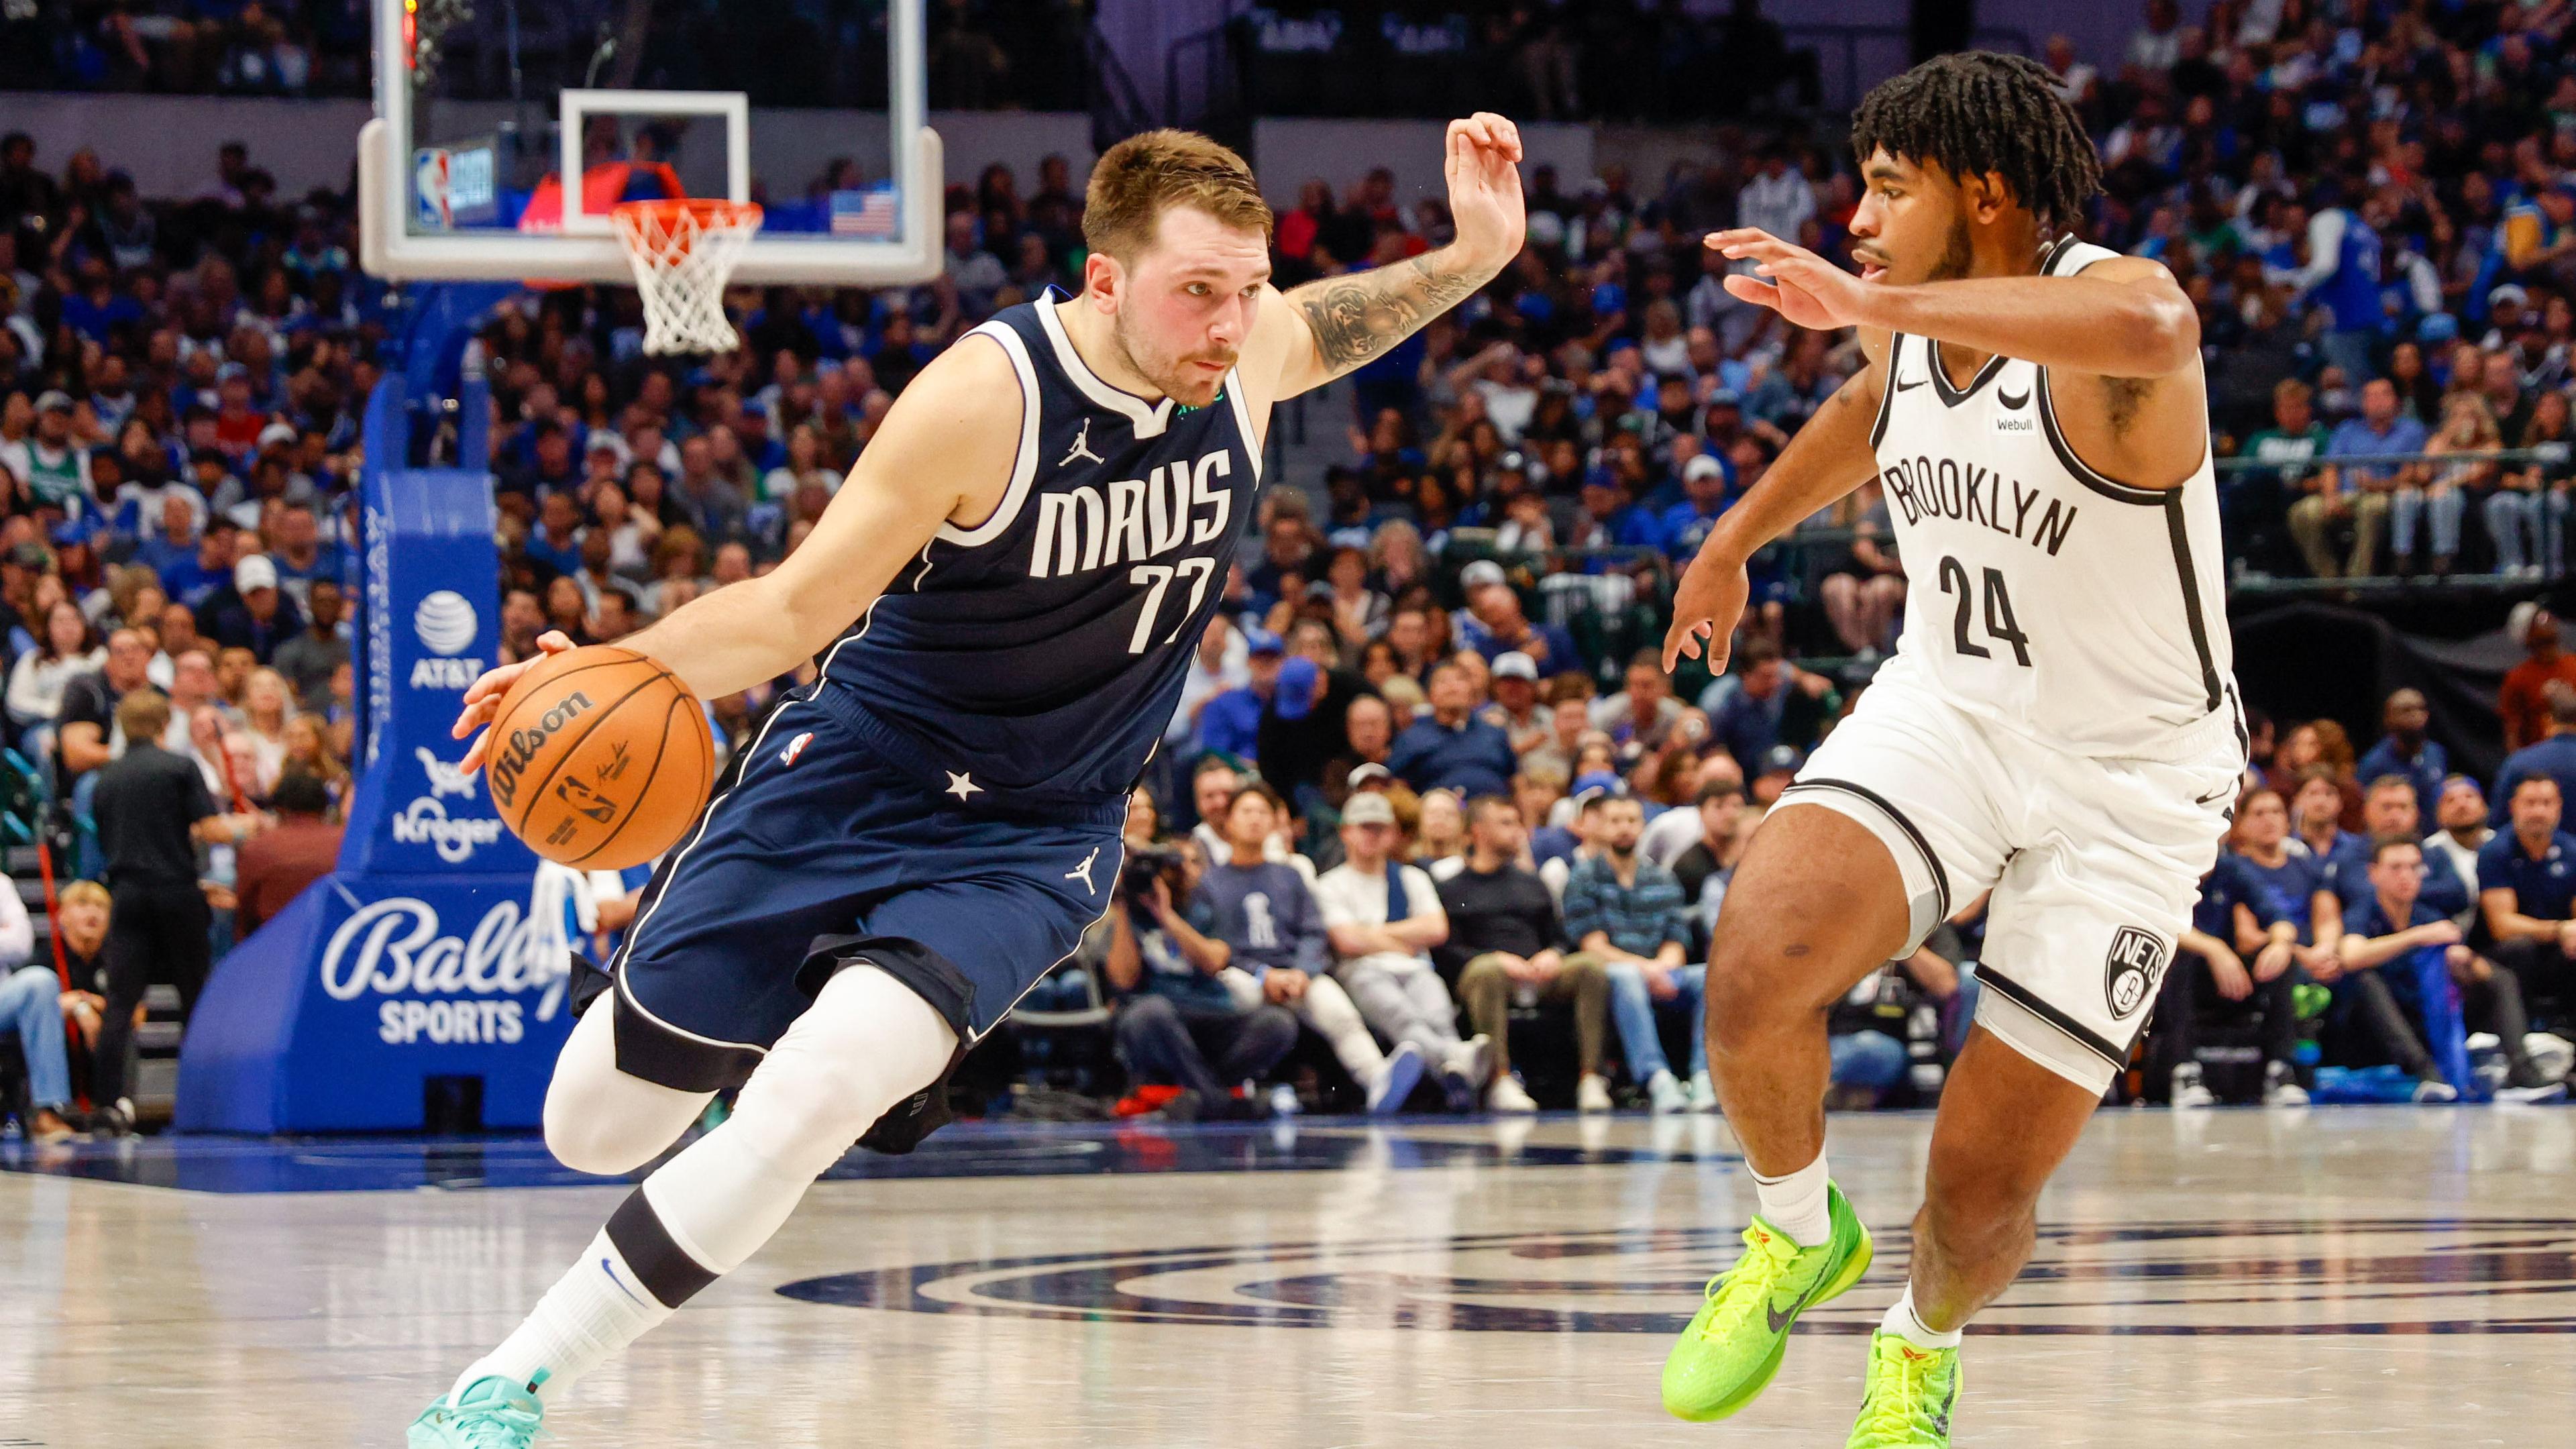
[{"x": 1040, "y": 653}]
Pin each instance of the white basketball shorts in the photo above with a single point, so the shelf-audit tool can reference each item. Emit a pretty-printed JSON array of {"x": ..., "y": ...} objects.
[{"x": 2095, "y": 863}]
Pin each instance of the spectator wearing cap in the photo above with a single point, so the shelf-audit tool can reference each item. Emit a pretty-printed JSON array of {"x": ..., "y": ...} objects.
[
  {"x": 1627, "y": 912},
  {"x": 2405, "y": 749},
  {"x": 50, "y": 463},
  {"x": 1686, "y": 524},
  {"x": 253, "y": 614},
  {"x": 2553, "y": 755},
  {"x": 273, "y": 867},
  {"x": 1452, "y": 749},
  {"x": 1778, "y": 768},
  {"x": 1525, "y": 722},
  {"x": 2523, "y": 702},
  {"x": 1493, "y": 623},
  {"x": 1384, "y": 917},
  {"x": 1230, "y": 723},
  {"x": 1304, "y": 726}
]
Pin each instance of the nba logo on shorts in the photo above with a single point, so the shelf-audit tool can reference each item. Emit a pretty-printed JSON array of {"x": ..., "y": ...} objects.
[
  {"x": 2137, "y": 960},
  {"x": 795, "y": 747}
]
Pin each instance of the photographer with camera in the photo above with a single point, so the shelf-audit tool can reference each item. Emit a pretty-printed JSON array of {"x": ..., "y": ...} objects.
[
  {"x": 1178, "y": 1024},
  {"x": 1269, "y": 919}
]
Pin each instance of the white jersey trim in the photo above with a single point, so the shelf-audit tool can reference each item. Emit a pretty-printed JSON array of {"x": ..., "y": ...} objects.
[
  {"x": 1024, "y": 466},
  {"x": 1149, "y": 419}
]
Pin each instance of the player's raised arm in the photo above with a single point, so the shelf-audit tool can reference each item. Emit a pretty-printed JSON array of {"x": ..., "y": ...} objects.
[
  {"x": 945, "y": 449},
  {"x": 1828, "y": 458},
  {"x": 1331, "y": 326}
]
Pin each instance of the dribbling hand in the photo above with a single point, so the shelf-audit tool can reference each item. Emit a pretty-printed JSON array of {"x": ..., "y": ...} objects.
[{"x": 483, "y": 699}]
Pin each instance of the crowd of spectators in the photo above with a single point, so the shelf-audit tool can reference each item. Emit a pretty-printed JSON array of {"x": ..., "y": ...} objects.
[{"x": 2372, "y": 204}]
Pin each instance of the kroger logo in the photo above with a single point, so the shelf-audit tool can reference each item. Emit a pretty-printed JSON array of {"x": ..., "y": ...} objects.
[
  {"x": 424, "y": 822},
  {"x": 445, "y": 622},
  {"x": 392, "y": 947}
]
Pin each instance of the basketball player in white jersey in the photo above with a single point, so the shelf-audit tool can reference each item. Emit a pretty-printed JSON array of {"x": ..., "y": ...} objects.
[{"x": 2058, "y": 725}]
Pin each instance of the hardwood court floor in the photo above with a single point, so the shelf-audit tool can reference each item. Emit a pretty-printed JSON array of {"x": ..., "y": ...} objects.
[{"x": 2401, "y": 1276}]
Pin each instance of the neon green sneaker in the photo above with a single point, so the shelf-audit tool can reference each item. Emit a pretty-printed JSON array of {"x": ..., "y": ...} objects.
[
  {"x": 1735, "y": 1342},
  {"x": 492, "y": 1413},
  {"x": 1910, "y": 1395}
]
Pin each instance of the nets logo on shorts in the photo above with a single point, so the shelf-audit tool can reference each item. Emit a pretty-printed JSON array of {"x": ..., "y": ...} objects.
[{"x": 2137, "y": 963}]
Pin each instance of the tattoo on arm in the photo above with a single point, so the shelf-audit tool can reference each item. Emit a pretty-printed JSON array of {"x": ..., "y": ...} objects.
[
  {"x": 1354, "y": 318},
  {"x": 2121, "y": 398}
]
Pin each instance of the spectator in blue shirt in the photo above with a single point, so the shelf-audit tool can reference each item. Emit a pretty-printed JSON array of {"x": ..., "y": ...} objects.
[
  {"x": 1452, "y": 749},
  {"x": 2382, "y": 935},
  {"x": 1686, "y": 524},
  {"x": 555, "y": 543},
  {"x": 2356, "y": 492},
  {"x": 1178, "y": 1022},
  {"x": 2404, "y": 750},
  {"x": 2238, "y": 916},
  {"x": 1493, "y": 623},
  {"x": 2527, "y": 889},
  {"x": 1626, "y": 913},
  {"x": 2297, "y": 878},
  {"x": 1230, "y": 724},
  {"x": 2553, "y": 755},
  {"x": 2388, "y": 808}
]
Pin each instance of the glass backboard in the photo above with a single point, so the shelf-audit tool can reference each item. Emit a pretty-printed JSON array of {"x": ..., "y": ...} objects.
[{"x": 814, "y": 108}]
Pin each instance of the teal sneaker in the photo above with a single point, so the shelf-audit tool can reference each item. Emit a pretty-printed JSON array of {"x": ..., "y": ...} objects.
[
  {"x": 492, "y": 1413},
  {"x": 1736, "y": 1341},
  {"x": 1911, "y": 1394}
]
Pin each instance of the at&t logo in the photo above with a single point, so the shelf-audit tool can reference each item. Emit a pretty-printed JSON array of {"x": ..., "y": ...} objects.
[{"x": 445, "y": 624}]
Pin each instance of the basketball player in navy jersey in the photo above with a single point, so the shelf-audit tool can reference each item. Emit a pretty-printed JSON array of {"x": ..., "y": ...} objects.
[
  {"x": 2058, "y": 725},
  {"x": 1005, "y": 595}
]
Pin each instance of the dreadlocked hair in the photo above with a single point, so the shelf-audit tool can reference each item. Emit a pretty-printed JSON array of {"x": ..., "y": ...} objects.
[{"x": 1978, "y": 111}]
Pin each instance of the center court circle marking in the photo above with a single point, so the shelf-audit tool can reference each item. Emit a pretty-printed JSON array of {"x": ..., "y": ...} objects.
[{"x": 2251, "y": 1277}]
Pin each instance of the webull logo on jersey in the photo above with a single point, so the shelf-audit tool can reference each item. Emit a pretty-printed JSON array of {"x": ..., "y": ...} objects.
[
  {"x": 445, "y": 624},
  {"x": 441, "y": 988},
  {"x": 1973, "y": 493},
  {"x": 1098, "y": 526}
]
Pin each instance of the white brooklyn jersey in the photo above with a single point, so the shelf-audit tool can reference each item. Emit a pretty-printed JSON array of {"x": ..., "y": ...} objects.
[{"x": 2085, "y": 612}]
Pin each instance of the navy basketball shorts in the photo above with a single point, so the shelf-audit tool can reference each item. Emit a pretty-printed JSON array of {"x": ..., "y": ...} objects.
[{"x": 819, "y": 853}]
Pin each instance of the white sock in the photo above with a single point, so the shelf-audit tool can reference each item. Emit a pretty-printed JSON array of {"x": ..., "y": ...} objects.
[
  {"x": 1795, "y": 1204},
  {"x": 591, "y": 1313},
  {"x": 1902, "y": 1322}
]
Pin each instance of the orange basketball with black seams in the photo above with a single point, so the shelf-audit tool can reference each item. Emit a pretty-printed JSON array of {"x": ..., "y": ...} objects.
[{"x": 600, "y": 758}]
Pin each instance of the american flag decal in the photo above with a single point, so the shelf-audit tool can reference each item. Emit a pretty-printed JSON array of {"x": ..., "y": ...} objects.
[{"x": 867, "y": 212}]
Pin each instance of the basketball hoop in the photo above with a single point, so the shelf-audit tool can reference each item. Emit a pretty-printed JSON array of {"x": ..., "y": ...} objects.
[{"x": 682, "y": 251}]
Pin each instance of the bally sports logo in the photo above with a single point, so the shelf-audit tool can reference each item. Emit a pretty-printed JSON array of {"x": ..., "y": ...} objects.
[
  {"x": 522, "y": 746},
  {"x": 445, "y": 624},
  {"x": 392, "y": 947}
]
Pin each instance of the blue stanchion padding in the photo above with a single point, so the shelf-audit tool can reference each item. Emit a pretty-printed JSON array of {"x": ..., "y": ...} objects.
[
  {"x": 337, "y": 1014},
  {"x": 416, "y": 958}
]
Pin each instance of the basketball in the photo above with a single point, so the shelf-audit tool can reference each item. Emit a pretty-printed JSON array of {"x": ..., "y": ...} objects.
[{"x": 600, "y": 758}]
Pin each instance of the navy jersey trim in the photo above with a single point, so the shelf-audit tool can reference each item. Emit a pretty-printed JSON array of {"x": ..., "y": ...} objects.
[
  {"x": 1024, "y": 466},
  {"x": 1150, "y": 419}
]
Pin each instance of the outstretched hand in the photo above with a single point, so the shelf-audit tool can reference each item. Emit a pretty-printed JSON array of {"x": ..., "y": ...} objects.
[
  {"x": 1483, "y": 163},
  {"x": 1706, "y": 605},
  {"x": 1804, "y": 287}
]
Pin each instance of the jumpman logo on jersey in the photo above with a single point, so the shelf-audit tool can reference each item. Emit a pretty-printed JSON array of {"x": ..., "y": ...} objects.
[
  {"x": 961, "y": 783},
  {"x": 1081, "y": 447},
  {"x": 1082, "y": 872}
]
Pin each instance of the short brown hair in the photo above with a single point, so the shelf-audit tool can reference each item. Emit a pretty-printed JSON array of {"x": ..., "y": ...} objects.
[
  {"x": 1142, "y": 176},
  {"x": 143, "y": 715}
]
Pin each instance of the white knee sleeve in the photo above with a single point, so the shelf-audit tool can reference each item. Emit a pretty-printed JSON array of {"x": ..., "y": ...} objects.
[{"x": 599, "y": 1119}]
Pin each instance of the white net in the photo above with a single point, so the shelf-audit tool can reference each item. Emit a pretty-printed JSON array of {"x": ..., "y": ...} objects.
[{"x": 682, "y": 252}]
